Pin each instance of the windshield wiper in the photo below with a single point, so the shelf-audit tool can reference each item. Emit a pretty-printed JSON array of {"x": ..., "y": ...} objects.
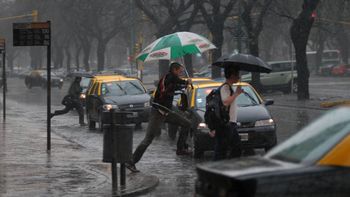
[
  {"x": 120, "y": 87},
  {"x": 137, "y": 87},
  {"x": 251, "y": 98}
]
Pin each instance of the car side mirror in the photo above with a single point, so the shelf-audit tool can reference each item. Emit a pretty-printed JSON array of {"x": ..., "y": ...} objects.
[{"x": 269, "y": 102}]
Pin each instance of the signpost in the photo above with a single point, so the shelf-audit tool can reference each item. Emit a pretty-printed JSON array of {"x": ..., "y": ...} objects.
[
  {"x": 4, "y": 86},
  {"x": 37, "y": 34}
]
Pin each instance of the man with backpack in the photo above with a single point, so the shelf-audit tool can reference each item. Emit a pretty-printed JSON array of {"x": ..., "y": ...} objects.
[
  {"x": 221, "y": 116},
  {"x": 161, "y": 110}
]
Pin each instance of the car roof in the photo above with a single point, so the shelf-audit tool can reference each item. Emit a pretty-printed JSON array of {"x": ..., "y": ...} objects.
[
  {"x": 215, "y": 84},
  {"x": 108, "y": 78}
]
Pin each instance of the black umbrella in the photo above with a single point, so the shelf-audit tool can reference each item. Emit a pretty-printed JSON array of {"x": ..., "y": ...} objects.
[{"x": 244, "y": 62}]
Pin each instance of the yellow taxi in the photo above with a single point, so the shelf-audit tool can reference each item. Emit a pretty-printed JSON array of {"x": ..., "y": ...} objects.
[
  {"x": 313, "y": 162},
  {"x": 256, "y": 126},
  {"x": 116, "y": 92}
]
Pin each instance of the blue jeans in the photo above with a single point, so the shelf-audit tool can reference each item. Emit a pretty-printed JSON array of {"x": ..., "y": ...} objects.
[{"x": 227, "y": 139}]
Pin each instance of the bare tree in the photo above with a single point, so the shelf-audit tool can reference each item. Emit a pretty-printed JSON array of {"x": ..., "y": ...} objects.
[
  {"x": 253, "y": 15},
  {"x": 215, "y": 13},
  {"x": 101, "y": 20},
  {"x": 300, "y": 31},
  {"x": 168, "y": 16}
]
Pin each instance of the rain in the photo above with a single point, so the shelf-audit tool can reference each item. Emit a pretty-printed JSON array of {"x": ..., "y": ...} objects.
[{"x": 121, "y": 50}]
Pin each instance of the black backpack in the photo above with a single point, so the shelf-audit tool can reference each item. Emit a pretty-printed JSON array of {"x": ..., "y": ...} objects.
[{"x": 216, "y": 114}]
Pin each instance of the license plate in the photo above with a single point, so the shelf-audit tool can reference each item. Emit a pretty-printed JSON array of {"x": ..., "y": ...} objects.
[
  {"x": 244, "y": 136},
  {"x": 133, "y": 115}
]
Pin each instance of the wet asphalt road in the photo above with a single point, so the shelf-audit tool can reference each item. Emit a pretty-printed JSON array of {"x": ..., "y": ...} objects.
[{"x": 177, "y": 174}]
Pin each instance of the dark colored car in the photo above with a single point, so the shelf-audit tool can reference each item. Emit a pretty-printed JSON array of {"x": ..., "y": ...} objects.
[
  {"x": 118, "y": 93},
  {"x": 313, "y": 163},
  {"x": 256, "y": 126},
  {"x": 39, "y": 78}
]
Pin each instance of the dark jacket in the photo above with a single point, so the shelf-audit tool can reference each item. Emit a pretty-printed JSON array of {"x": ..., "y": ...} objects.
[
  {"x": 166, "y": 88},
  {"x": 75, "y": 90}
]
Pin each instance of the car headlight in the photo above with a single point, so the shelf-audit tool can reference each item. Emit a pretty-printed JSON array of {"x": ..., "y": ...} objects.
[
  {"x": 261, "y": 123},
  {"x": 147, "y": 104},
  {"x": 108, "y": 107},
  {"x": 82, "y": 96},
  {"x": 202, "y": 125},
  {"x": 61, "y": 80}
]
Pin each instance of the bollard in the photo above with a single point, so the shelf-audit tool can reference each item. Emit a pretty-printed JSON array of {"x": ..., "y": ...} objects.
[{"x": 117, "y": 141}]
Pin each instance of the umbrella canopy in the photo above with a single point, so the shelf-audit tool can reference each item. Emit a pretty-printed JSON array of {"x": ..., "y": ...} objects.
[
  {"x": 244, "y": 62},
  {"x": 174, "y": 46}
]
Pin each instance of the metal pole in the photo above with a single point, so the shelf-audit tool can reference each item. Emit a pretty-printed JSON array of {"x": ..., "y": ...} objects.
[
  {"x": 4, "y": 84},
  {"x": 122, "y": 174},
  {"x": 49, "y": 91},
  {"x": 292, "y": 67},
  {"x": 114, "y": 175}
]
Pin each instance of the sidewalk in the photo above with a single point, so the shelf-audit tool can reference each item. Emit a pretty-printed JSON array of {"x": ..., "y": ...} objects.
[
  {"x": 291, "y": 100},
  {"x": 69, "y": 169}
]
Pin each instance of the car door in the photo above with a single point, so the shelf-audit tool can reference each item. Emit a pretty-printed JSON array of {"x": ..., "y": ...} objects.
[{"x": 274, "y": 78}]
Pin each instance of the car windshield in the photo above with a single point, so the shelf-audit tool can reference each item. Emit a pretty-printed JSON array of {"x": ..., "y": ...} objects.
[
  {"x": 244, "y": 100},
  {"x": 119, "y": 88},
  {"x": 310, "y": 144}
]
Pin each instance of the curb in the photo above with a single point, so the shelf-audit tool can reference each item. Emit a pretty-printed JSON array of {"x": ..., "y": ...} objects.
[{"x": 136, "y": 184}]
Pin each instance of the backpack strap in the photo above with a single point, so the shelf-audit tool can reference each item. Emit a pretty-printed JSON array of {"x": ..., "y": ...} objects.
[{"x": 231, "y": 90}]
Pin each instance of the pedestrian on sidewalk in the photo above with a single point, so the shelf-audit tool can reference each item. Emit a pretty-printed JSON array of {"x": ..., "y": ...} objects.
[
  {"x": 226, "y": 135},
  {"x": 72, "y": 100},
  {"x": 161, "y": 110}
]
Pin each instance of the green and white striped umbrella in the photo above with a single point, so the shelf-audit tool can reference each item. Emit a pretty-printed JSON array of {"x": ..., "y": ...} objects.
[{"x": 174, "y": 46}]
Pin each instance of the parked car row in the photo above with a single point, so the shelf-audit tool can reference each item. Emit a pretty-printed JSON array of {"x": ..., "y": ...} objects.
[{"x": 334, "y": 70}]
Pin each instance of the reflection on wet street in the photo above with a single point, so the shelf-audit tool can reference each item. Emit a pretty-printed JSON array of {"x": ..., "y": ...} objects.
[{"x": 176, "y": 173}]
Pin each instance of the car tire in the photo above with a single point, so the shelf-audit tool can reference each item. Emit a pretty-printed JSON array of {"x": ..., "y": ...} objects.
[
  {"x": 92, "y": 124},
  {"x": 172, "y": 130}
]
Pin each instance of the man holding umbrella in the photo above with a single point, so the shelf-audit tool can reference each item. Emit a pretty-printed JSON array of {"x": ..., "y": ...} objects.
[
  {"x": 161, "y": 110},
  {"x": 226, "y": 135}
]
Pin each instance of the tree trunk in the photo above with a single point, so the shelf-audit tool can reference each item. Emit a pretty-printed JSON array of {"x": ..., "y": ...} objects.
[
  {"x": 86, "y": 56},
  {"x": 300, "y": 31},
  {"x": 343, "y": 40},
  {"x": 218, "y": 38},
  {"x": 101, "y": 49},
  {"x": 36, "y": 57},
  {"x": 254, "y": 50},
  {"x": 77, "y": 57},
  {"x": 319, "y": 52},
  {"x": 300, "y": 36},
  {"x": 68, "y": 59}
]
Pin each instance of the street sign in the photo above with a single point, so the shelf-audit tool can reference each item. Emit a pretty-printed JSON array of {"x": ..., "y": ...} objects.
[
  {"x": 31, "y": 34},
  {"x": 2, "y": 45}
]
